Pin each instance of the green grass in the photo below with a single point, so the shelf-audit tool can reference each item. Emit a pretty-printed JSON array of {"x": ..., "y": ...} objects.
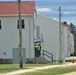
[
  {"x": 8, "y": 68},
  {"x": 13, "y": 67},
  {"x": 55, "y": 71}
]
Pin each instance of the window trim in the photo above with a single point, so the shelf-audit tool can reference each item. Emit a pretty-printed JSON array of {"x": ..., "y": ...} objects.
[
  {"x": 22, "y": 22},
  {"x": 0, "y": 25}
]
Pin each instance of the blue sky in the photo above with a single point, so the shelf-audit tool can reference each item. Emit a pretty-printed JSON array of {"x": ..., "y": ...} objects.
[{"x": 50, "y": 8}]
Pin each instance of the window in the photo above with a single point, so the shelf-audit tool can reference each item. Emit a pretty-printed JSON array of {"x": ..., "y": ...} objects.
[
  {"x": 22, "y": 22},
  {"x": 38, "y": 32},
  {"x": 0, "y": 25}
]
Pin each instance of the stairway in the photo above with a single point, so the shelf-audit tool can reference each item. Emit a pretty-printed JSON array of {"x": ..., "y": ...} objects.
[
  {"x": 45, "y": 57},
  {"x": 41, "y": 60}
]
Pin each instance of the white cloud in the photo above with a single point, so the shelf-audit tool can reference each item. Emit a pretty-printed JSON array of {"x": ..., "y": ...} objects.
[
  {"x": 44, "y": 10},
  {"x": 74, "y": 18},
  {"x": 55, "y": 19},
  {"x": 69, "y": 12},
  {"x": 70, "y": 20}
]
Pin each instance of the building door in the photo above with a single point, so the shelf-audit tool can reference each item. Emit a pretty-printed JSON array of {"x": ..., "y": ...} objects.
[{"x": 16, "y": 56}]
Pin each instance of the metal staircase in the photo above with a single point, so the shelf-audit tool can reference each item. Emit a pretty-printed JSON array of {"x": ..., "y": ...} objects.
[{"x": 45, "y": 57}]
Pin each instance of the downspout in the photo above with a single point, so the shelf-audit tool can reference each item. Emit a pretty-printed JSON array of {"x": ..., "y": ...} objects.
[
  {"x": 29, "y": 38},
  {"x": 34, "y": 14},
  {"x": 33, "y": 37}
]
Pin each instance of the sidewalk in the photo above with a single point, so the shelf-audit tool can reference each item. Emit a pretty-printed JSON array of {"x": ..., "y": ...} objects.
[
  {"x": 39, "y": 68},
  {"x": 72, "y": 73}
]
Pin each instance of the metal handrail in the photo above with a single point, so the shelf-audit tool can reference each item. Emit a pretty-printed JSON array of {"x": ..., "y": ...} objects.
[{"x": 50, "y": 56}]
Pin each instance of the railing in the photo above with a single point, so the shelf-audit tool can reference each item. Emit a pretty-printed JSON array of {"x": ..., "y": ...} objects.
[
  {"x": 48, "y": 54},
  {"x": 0, "y": 60}
]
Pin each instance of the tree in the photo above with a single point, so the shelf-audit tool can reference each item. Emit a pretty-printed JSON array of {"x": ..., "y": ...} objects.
[
  {"x": 65, "y": 22},
  {"x": 72, "y": 26}
]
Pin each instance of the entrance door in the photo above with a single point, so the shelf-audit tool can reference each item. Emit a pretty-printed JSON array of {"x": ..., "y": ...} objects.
[{"x": 16, "y": 56}]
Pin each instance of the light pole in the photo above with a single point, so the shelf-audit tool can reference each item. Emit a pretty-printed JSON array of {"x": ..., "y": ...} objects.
[
  {"x": 20, "y": 33},
  {"x": 60, "y": 33}
]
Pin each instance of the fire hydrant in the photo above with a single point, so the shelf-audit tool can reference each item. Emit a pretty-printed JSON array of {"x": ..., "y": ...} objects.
[{"x": 73, "y": 61}]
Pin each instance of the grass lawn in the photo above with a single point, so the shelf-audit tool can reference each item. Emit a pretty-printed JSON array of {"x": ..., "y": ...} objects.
[
  {"x": 13, "y": 67},
  {"x": 55, "y": 71}
]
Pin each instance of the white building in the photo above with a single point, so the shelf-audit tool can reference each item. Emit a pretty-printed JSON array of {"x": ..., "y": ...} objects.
[
  {"x": 50, "y": 38},
  {"x": 35, "y": 27},
  {"x": 9, "y": 31},
  {"x": 71, "y": 43}
]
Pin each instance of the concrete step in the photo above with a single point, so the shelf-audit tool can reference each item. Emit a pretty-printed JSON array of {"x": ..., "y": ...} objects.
[
  {"x": 70, "y": 58},
  {"x": 41, "y": 60}
]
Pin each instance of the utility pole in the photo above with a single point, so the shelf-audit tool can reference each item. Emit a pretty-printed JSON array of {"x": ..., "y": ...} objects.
[
  {"x": 60, "y": 34},
  {"x": 20, "y": 33}
]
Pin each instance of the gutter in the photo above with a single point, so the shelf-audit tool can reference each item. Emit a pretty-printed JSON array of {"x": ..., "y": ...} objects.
[{"x": 3, "y": 15}]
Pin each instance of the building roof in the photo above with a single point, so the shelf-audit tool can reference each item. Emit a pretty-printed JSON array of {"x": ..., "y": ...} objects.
[
  {"x": 68, "y": 26},
  {"x": 27, "y": 7}
]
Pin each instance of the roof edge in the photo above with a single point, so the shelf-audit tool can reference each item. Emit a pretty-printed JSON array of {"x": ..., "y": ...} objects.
[
  {"x": 14, "y": 1},
  {"x": 48, "y": 17},
  {"x": 15, "y": 15}
]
